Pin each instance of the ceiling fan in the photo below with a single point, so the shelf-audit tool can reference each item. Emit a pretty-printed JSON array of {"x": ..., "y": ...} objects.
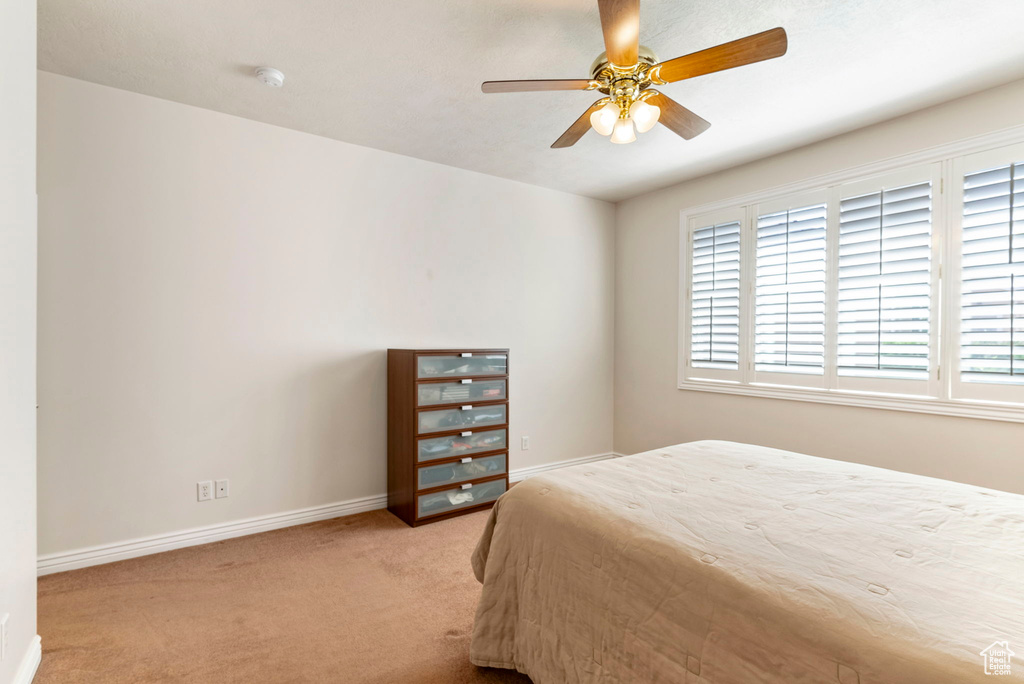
[{"x": 626, "y": 72}]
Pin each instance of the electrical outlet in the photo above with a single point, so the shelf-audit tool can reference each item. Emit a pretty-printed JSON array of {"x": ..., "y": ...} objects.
[
  {"x": 204, "y": 490},
  {"x": 221, "y": 490},
  {"x": 526, "y": 443},
  {"x": 3, "y": 635}
]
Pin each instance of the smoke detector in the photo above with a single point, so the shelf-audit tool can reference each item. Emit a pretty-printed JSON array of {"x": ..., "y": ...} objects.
[{"x": 270, "y": 77}]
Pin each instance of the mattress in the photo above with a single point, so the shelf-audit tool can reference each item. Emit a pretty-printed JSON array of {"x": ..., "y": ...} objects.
[{"x": 730, "y": 563}]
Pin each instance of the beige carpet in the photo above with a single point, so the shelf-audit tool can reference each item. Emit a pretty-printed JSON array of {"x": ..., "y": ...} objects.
[{"x": 357, "y": 599}]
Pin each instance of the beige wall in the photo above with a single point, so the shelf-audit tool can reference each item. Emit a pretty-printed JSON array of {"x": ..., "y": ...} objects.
[
  {"x": 650, "y": 411},
  {"x": 216, "y": 295},
  {"x": 216, "y": 298},
  {"x": 17, "y": 330}
]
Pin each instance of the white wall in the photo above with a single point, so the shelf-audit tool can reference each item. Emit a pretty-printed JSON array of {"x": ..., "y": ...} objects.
[
  {"x": 217, "y": 295},
  {"x": 651, "y": 412},
  {"x": 17, "y": 329}
]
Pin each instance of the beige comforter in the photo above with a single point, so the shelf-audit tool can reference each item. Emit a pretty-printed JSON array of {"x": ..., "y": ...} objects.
[{"x": 728, "y": 563}]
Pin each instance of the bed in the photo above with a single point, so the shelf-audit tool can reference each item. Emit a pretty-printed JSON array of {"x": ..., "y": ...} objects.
[{"x": 735, "y": 564}]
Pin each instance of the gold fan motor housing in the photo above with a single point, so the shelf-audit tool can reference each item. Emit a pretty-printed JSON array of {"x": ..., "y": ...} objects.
[{"x": 623, "y": 85}]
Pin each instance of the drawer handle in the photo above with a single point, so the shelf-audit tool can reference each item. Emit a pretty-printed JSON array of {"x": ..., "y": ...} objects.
[
  {"x": 467, "y": 486},
  {"x": 467, "y": 381},
  {"x": 467, "y": 433},
  {"x": 468, "y": 407},
  {"x": 466, "y": 460},
  {"x": 466, "y": 355}
]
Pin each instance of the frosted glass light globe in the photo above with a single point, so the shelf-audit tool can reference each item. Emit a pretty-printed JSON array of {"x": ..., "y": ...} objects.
[
  {"x": 603, "y": 120},
  {"x": 623, "y": 132},
  {"x": 644, "y": 116}
]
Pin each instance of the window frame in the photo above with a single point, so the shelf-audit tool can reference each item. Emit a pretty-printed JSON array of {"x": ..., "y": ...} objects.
[
  {"x": 771, "y": 206},
  {"x": 942, "y": 393},
  {"x": 694, "y": 223},
  {"x": 962, "y": 166},
  {"x": 899, "y": 178}
]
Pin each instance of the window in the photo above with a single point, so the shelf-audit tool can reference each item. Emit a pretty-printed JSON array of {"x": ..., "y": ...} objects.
[
  {"x": 789, "y": 309},
  {"x": 835, "y": 291},
  {"x": 990, "y": 349},
  {"x": 992, "y": 298},
  {"x": 715, "y": 317},
  {"x": 884, "y": 294}
]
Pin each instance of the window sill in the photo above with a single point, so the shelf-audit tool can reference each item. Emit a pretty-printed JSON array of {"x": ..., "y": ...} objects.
[{"x": 1013, "y": 413}]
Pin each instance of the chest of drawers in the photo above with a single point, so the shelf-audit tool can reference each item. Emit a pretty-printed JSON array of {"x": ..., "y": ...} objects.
[{"x": 447, "y": 431}]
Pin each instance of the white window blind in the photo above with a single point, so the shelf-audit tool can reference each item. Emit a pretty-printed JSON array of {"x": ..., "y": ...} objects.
[
  {"x": 884, "y": 283},
  {"x": 992, "y": 289},
  {"x": 789, "y": 311},
  {"x": 715, "y": 313}
]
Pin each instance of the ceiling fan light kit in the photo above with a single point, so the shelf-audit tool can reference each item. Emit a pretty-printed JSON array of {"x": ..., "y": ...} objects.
[
  {"x": 626, "y": 72},
  {"x": 627, "y": 108}
]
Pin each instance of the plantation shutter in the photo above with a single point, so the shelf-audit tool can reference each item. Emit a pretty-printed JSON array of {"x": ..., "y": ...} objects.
[
  {"x": 715, "y": 313},
  {"x": 789, "y": 313},
  {"x": 992, "y": 289},
  {"x": 884, "y": 281}
]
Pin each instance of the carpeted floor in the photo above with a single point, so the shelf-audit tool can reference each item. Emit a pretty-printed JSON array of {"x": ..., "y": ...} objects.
[{"x": 357, "y": 599}]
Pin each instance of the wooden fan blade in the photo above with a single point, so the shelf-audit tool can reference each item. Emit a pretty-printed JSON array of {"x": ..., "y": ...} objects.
[
  {"x": 678, "y": 118},
  {"x": 620, "y": 22},
  {"x": 755, "y": 48},
  {"x": 534, "y": 86},
  {"x": 579, "y": 127}
]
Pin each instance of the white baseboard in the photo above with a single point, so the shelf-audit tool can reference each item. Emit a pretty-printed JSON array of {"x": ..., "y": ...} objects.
[
  {"x": 108, "y": 553},
  {"x": 30, "y": 663},
  {"x": 522, "y": 473}
]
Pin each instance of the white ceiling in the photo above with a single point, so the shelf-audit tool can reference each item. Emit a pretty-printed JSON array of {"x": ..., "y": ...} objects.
[{"x": 404, "y": 76}]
